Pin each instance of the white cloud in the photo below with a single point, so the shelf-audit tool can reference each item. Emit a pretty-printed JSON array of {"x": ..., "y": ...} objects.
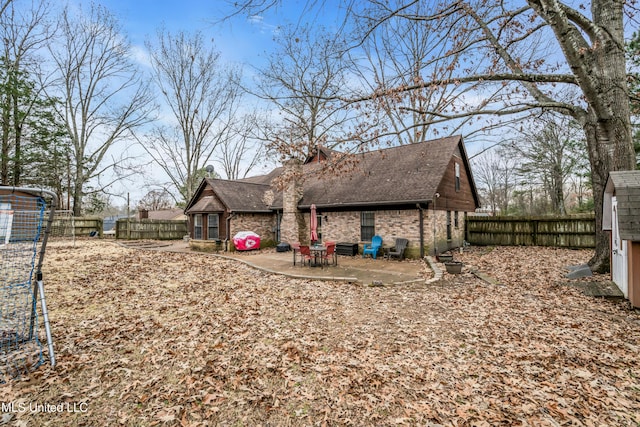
[
  {"x": 140, "y": 55},
  {"x": 265, "y": 27}
]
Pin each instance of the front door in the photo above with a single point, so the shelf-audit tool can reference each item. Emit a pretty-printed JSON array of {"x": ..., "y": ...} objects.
[{"x": 618, "y": 252}]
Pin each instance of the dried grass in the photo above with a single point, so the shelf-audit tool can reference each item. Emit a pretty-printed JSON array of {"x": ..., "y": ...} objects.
[{"x": 148, "y": 338}]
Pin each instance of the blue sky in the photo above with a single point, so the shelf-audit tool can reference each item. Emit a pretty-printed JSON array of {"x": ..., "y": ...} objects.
[
  {"x": 241, "y": 39},
  {"x": 246, "y": 40}
]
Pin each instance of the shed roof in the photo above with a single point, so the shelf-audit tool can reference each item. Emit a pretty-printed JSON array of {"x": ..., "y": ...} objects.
[{"x": 625, "y": 186}]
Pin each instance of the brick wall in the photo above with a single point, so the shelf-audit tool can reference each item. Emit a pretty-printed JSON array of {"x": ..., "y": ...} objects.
[
  {"x": 341, "y": 226},
  {"x": 390, "y": 224},
  {"x": 441, "y": 242},
  {"x": 262, "y": 224},
  {"x": 292, "y": 225}
]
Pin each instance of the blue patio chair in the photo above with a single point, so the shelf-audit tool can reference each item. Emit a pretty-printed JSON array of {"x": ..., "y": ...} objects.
[{"x": 372, "y": 248}]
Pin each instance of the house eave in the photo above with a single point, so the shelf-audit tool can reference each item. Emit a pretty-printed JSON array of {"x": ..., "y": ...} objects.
[
  {"x": 366, "y": 204},
  {"x": 244, "y": 211}
]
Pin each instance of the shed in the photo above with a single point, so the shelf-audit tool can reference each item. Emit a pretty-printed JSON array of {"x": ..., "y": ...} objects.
[{"x": 621, "y": 216}]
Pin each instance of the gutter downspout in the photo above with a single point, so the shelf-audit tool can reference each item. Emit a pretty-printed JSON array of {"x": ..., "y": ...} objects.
[
  {"x": 226, "y": 243},
  {"x": 421, "y": 227},
  {"x": 278, "y": 220},
  {"x": 435, "y": 243}
]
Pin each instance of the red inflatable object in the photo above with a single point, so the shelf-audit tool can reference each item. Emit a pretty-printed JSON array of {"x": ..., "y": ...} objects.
[{"x": 246, "y": 241}]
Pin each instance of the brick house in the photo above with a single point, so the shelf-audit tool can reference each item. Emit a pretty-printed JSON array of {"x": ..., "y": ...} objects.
[{"x": 421, "y": 192}]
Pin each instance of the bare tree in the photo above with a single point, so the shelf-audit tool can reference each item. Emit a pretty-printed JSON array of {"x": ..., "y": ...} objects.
[
  {"x": 240, "y": 152},
  {"x": 529, "y": 50},
  {"x": 551, "y": 149},
  {"x": 203, "y": 96},
  {"x": 302, "y": 81},
  {"x": 156, "y": 200},
  {"x": 496, "y": 176},
  {"x": 401, "y": 53},
  {"x": 105, "y": 101},
  {"x": 4, "y": 5}
]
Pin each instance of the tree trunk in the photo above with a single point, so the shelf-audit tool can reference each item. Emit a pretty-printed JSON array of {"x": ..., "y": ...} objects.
[
  {"x": 17, "y": 130},
  {"x": 557, "y": 196},
  {"x": 77, "y": 193},
  {"x": 4, "y": 155},
  {"x": 601, "y": 73},
  {"x": 77, "y": 201},
  {"x": 609, "y": 150}
]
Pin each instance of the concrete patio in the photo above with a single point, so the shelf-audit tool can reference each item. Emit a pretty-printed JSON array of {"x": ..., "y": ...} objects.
[{"x": 365, "y": 271}]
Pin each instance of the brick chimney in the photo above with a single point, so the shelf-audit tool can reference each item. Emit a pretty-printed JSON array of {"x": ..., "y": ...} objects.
[
  {"x": 293, "y": 225},
  {"x": 144, "y": 213}
]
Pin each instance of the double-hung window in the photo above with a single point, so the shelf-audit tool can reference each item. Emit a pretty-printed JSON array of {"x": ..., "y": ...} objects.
[
  {"x": 367, "y": 226},
  {"x": 213, "y": 226},
  {"x": 197, "y": 227}
]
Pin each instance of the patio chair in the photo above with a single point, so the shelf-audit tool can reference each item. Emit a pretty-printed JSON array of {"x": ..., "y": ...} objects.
[
  {"x": 330, "y": 253},
  {"x": 305, "y": 254},
  {"x": 295, "y": 247},
  {"x": 398, "y": 250},
  {"x": 373, "y": 247}
]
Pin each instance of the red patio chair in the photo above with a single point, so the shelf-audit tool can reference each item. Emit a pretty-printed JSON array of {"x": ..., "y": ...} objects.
[
  {"x": 330, "y": 253},
  {"x": 305, "y": 254},
  {"x": 296, "y": 248}
]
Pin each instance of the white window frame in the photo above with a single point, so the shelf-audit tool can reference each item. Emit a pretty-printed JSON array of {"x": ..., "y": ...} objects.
[
  {"x": 197, "y": 226},
  {"x": 217, "y": 227}
]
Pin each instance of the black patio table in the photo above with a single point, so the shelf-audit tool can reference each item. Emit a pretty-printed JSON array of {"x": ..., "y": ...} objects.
[{"x": 317, "y": 251}]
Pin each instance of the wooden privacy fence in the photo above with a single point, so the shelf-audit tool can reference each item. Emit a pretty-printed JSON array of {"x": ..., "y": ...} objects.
[
  {"x": 76, "y": 226},
  {"x": 575, "y": 231},
  {"x": 155, "y": 229}
]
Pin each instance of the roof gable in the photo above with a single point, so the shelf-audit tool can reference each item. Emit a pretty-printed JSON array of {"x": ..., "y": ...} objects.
[
  {"x": 240, "y": 196},
  {"x": 320, "y": 154},
  {"x": 219, "y": 195},
  {"x": 206, "y": 204}
]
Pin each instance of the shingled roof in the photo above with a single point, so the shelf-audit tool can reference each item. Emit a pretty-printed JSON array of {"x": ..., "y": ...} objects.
[
  {"x": 236, "y": 196},
  {"x": 401, "y": 175},
  {"x": 405, "y": 174},
  {"x": 625, "y": 185}
]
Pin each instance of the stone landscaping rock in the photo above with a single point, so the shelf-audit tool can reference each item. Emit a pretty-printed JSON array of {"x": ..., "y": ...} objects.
[{"x": 579, "y": 271}]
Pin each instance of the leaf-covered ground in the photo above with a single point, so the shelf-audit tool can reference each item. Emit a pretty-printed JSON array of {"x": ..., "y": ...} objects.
[{"x": 147, "y": 338}]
